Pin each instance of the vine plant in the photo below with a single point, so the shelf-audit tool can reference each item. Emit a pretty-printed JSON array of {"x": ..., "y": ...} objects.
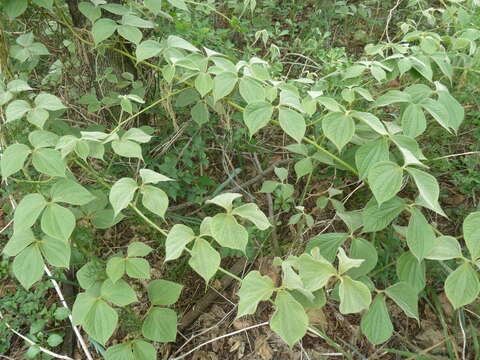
[{"x": 356, "y": 124}]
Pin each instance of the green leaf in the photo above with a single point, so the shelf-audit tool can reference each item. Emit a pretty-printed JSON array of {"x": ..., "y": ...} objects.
[
  {"x": 370, "y": 120},
  {"x": 135, "y": 350},
  {"x": 385, "y": 179},
  {"x": 420, "y": 235},
  {"x": 392, "y": 97},
  {"x": 362, "y": 249},
  {"x": 138, "y": 248},
  {"x": 409, "y": 148},
  {"x": 354, "y": 296},
  {"x": 376, "y": 218},
  {"x": 49, "y": 162},
  {"x": 13, "y": 159},
  {"x": 429, "y": 190},
  {"x": 154, "y": 199},
  {"x": 327, "y": 243},
  {"x": 58, "y": 222},
  {"x": 118, "y": 293},
  {"x": 376, "y": 324},
  {"x": 16, "y": 110},
  {"x": 42, "y": 138},
  {"x": 445, "y": 248},
  {"x": 115, "y": 268},
  {"x": 82, "y": 305},
  {"x": 346, "y": 263},
  {"x": 155, "y": 6},
  {"x": 90, "y": 274},
  {"x": 49, "y": 102},
  {"x": 438, "y": 112},
  {"x": 135, "y": 21},
  {"x": 354, "y": 71},
  {"x": 411, "y": 271},
  {"x": 257, "y": 115},
  {"x": 292, "y": 123},
  {"x": 19, "y": 241},
  {"x": 143, "y": 350},
  {"x": 28, "y": 211},
  {"x": 405, "y": 297},
  {"x": 178, "y": 4},
  {"x": 369, "y": 154},
  {"x": 252, "y": 213},
  {"x": 56, "y": 251},
  {"x": 228, "y": 232},
  {"x": 179, "y": 43},
  {"x": 471, "y": 233},
  {"x": 121, "y": 194},
  {"x": 105, "y": 219},
  {"x": 224, "y": 200},
  {"x": 203, "y": 83},
  {"x": 15, "y": 8},
  {"x": 314, "y": 272},
  {"x": 413, "y": 120},
  {"x": 100, "y": 321},
  {"x": 147, "y": 49},
  {"x": 338, "y": 128},
  {"x": 120, "y": 352},
  {"x": 204, "y": 259},
  {"x": 137, "y": 135},
  {"x": 131, "y": 33},
  {"x": 254, "y": 288},
  {"x": 200, "y": 113},
  {"x": 38, "y": 117},
  {"x": 178, "y": 237},
  {"x": 137, "y": 268},
  {"x": 289, "y": 320},
  {"x": 160, "y": 325},
  {"x": 163, "y": 292},
  {"x": 28, "y": 266},
  {"x": 70, "y": 192},
  {"x": 54, "y": 340},
  {"x": 152, "y": 177},
  {"x": 462, "y": 286},
  {"x": 223, "y": 84},
  {"x": 456, "y": 113},
  {"x": 90, "y": 11},
  {"x": 127, "y": 148},
  {"x": 251, "y": 90},
  {"x": 102, "y": 29}
]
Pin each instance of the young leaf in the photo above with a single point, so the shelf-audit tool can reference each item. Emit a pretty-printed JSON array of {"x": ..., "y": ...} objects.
[
  {"x": 471, "y": 233},
  {"x": 154, "y": 199},
  {"x": 160, "y": 325},
  {"x": 178, "y": 237},
  {"x": 56, "y": 251},
  {"x": 70, "y": 192},
  {"x": 462, "y": 286},
  {"x": 38, "y": 117},
  {"x": 420, "y": 235},
  {"x": 28, "y": 266},
  {"x": 19, "y": 241},
  {"x": 138, "y": 248},
  {"x": 58, "y": 222},
  {"x": 411, "y": 271},
  {"x": 429, "y": 190},
  {"x": 328, "y": 244},
  {"x": 252, "y": 213},
  {"x": 385, "y": 179},
  {"x": 137, "y": 268},
  {"x": 289, "y": 320},
  {"x": 115, "y": 268},
  {"x": 362, "y": 249},
  {"x": 405, "y": 297},
  {"x": 315, "y": 273},
  {"x": 13, "y": 159},
  {"x": 257, "y": 115},
  {"x": 292, "y": 123},
  {"x": 163, "y": 292},
  {"x": 204, "y": 259},
  {"x": 376, "y": 324},
  {"x": 147, "y": 49},
  {"x": 255, "y": 288},
  {"x": 369, "y": 154},
  {"x": 354, "y": 296},
  {"x": 121, "y": 194},
  {"x": 49, "y": 162},
  {"x": 127, "y": 148},
  {"x": 223, "y": 84},
  {"x": 118, "y": 293},
  {"x": 131, "y": 33},
  {"x": 251, "y": 90},
  {"x": 228, "y": 232},
  {"x": 16, "y": 110},
  {"x": 102, "y": 29},
  {"x": 445, "y": 248},
  {"x": 345, "y": 263},
  {"x": 48, "y": 102},
  {"x": 152, "y": 177},
  {"x": 200, "y": 113},
  {"x": 224, "y": 200},
  {"x": 28, "y": 211},
  {"x": 90, "y": 11},
  {"x": 371, "y": 120},
  {"x": 203, "y": 83},
  {"x": 339, "y": 128}
]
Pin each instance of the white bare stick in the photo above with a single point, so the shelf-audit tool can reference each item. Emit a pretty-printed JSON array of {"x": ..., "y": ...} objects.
[
  {"x": 218, "y": 338},
  {"x": 455, "y": 155},
  {"x": 42, "y": 349},
  {"x": 390, "y": 14}
]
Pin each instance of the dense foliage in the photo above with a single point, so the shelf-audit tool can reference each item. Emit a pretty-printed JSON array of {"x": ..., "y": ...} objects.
[{"x": 88, "y": 151}]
